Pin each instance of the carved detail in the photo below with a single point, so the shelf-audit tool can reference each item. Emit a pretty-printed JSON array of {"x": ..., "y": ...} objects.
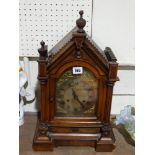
[
  {"x": 110, "y": 83},
  {"x": 43, "y": 80},
  {"x": 44, "y": 130},
  {"x": 43, "y": 50},
  {"x": 43, "y": 126},
  {"x": 105, "y": 129},
  {"x": 81, "y": 22},
  {"x": 109, "y": 54},
  {"x": 79, "y": 39}
]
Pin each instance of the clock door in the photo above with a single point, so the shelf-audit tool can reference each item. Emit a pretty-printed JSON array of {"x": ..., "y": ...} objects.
[{"x": 76, "y": 94}]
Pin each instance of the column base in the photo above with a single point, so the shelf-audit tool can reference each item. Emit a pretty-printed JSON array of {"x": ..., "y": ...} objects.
[
  {"x": 41, "y": 141},
  {"x": 106, "y": 143}
]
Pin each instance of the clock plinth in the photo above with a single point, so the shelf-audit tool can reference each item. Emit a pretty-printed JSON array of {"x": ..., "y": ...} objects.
[
  {"x": 76, "y": 85},
  {"x": 47, "y": 137}
]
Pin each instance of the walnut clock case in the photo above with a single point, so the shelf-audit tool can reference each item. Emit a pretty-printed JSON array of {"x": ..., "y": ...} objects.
[{"x": 76, "y": 84}]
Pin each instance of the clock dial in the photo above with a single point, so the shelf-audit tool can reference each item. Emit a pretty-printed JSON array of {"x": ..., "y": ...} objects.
[{"x": 76, "y": 95}]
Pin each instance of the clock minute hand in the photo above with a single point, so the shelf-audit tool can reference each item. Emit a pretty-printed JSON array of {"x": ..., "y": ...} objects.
[{"x": 76, "y": 98}]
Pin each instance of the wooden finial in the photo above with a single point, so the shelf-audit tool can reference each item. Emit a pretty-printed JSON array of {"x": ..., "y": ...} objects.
[
  {"x": 81, "y": 13},
  {"x": 42, "y": 43},
  {"x": 43, "y": 50},
  {"x": 81, "y": 22}
]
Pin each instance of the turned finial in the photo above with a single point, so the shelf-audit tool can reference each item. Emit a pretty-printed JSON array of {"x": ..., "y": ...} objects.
[
  {"x": 42, "y": 43},
  {"x": 81, "y": 13},
  {"x": 80, "y": 23},
  {"x": 43, "y": 50}
]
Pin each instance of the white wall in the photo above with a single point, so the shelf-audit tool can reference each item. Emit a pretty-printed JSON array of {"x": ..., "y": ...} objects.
[
  {"x": 124, "y": 92},
  {"x": 113, "y": 26}
]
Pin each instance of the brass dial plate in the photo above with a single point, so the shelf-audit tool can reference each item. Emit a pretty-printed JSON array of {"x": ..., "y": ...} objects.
[{"x": 76, "y": 95}]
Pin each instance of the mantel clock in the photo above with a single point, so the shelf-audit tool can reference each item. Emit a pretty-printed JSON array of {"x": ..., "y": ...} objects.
[{"x": 76, "y": 84}]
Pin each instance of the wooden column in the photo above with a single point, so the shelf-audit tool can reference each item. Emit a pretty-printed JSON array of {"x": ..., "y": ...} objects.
[
  {"x": 112, "y": 78},
  {"x": 42, "y": 141},
  {"x": 109, "y": 92},
  {"x": 107, "y": 139},
  {"x": 43, "y": 78}
]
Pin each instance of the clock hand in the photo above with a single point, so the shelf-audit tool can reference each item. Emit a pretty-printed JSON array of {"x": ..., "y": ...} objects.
[{"x": 76, "y": 98}]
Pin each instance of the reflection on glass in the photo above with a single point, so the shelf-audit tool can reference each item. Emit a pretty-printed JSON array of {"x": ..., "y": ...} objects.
[{"x": 76, "y": 95}]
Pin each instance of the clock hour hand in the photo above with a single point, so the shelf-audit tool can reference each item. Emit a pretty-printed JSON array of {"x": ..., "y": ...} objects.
[{"x": 76, "y": 98}]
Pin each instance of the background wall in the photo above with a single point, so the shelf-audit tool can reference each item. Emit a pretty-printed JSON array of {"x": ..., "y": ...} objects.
[{"x": 113, "y": 26}]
